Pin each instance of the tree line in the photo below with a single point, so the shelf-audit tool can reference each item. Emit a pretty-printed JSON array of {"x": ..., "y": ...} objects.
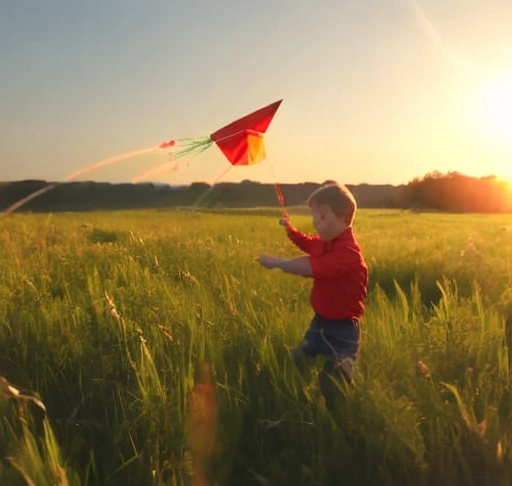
[
  {"x": 451, "y": 192},
  {"x": 455, "y": 192}
]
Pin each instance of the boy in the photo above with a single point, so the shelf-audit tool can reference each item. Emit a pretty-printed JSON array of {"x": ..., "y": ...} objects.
[{"x": 340, "y": 277}]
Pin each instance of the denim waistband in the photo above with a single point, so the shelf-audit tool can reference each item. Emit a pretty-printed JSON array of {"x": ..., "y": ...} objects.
[{"x": 322, "y": 320}]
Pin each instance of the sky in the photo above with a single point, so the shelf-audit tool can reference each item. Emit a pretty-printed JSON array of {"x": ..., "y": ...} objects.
[{"x": 374, "y": 91}]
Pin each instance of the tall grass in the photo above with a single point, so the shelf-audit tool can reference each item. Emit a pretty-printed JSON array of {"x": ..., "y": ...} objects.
[{"x": 114, "y": 317}]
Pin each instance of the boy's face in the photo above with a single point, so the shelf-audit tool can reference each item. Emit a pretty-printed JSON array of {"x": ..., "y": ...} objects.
[{"x": 326, "y": 223}]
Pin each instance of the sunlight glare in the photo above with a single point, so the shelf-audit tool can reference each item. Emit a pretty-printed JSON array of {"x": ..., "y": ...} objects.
[{"x": 495, "y": 111}]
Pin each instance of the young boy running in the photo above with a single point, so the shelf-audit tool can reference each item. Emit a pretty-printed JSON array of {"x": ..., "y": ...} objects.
[{"x": 335, "y": 262}]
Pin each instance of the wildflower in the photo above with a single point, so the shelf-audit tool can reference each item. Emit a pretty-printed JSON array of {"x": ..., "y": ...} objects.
[
  {"x": 22, "y": 396},
  {"x": 112, "y": 307},
  {"x": 499, "y": 451},
  {"x": 201, "y": 423},
  {"x": 30, "y": 283},
  {"x": 481, "y": 429},
  {"x": 424, "y": 369}
]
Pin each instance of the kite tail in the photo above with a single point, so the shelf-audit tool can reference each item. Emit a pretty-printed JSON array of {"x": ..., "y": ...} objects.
[
  {"x": 280, "y": 198},
  {"x": 70, "y": 177},
  {"x": 28, "y": 198},
  {"x": 183, "y": 148}
]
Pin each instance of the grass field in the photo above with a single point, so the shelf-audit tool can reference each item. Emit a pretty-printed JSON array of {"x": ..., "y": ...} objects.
[{"x": 117, "y": 320}]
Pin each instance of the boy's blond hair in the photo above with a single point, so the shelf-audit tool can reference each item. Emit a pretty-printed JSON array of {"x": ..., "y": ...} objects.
[{"x": 338, "y": 197}]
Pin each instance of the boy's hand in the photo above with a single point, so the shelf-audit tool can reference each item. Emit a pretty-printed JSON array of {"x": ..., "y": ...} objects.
[
  {"x": 295, "y": 266},
  {"x": 284, "y": 222},
  {"x": 268, "y": 261}
]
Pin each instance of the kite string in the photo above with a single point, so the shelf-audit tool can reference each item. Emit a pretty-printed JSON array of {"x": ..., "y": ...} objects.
[
  {"x": 279, "y": 193},
  {"x": 280, "y": 198},
  {"x": 212, "y": 185}
]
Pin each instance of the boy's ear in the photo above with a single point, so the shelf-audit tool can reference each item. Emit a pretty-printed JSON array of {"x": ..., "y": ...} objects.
[
  {"x": 342, "y": 219},
  {"x": 348, "y": 218}
]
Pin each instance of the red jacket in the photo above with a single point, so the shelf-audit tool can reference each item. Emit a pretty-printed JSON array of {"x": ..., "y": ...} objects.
[{"x": 340, "y": 274}]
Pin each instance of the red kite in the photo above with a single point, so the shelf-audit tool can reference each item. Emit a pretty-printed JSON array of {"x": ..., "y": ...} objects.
[{"x": 241, "y": 142}]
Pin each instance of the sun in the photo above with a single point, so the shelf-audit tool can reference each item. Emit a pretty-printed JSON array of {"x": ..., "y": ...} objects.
[
  {"x": 494, "y": 100},
  {"x": 494, "y": 124}
]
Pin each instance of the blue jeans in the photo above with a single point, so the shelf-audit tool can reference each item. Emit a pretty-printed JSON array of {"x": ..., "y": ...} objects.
[{"x": 338, "y": 340}]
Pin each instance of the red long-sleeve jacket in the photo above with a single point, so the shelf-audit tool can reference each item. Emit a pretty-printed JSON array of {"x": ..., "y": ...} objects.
[{"x": 340, "y": 274}]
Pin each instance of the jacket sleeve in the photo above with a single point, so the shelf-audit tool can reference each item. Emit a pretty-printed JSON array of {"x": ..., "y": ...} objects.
[{"x": 312, "y": 245}]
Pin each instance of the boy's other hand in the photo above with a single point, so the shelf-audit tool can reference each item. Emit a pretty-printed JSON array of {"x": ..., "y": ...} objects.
[{"x": 268, "y": 261}]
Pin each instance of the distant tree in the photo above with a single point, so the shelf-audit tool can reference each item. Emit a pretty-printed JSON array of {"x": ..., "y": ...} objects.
[{"x": 456, "y": 192}]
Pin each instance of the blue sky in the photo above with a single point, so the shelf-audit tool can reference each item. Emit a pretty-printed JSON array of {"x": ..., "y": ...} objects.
[{"x": 375, "y": 91}]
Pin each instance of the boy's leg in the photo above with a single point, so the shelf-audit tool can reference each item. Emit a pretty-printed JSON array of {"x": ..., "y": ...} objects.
[
  {"x": 329, "y": 379},
  {"x": 310, "y": 345},
  {"x": 343, "y": 339},
  {"x": 299, "y": 358}
]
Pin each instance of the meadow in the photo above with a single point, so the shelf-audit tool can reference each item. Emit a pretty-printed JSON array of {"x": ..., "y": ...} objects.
[{"x": 160, "y": 349}]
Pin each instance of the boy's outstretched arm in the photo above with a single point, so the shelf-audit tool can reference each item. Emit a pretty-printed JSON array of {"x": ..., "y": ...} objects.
[
  {"x": 308, "y": 244},
  {"x": 295, "y": 266}
]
